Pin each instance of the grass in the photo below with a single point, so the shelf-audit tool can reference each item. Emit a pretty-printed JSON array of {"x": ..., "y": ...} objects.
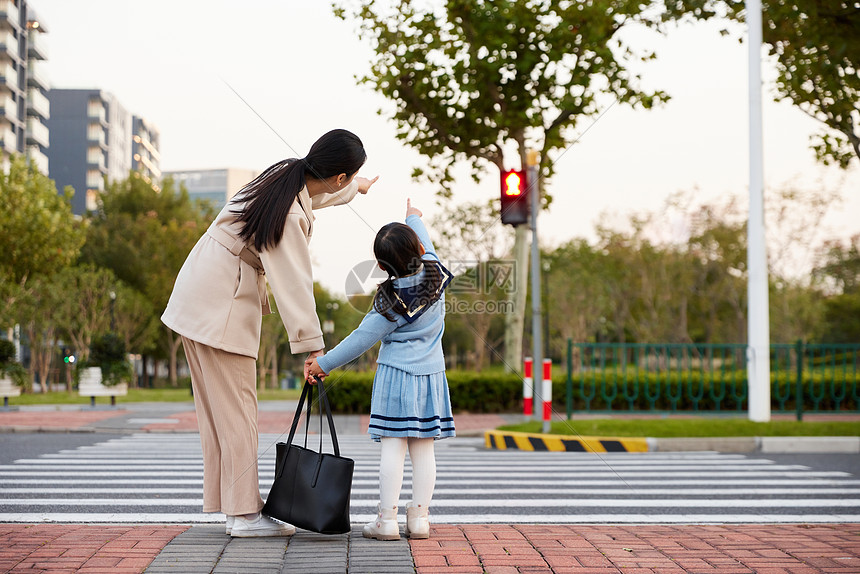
[
  {"x": 706, "y": 427},
  {"x": 162, "y": 395}
]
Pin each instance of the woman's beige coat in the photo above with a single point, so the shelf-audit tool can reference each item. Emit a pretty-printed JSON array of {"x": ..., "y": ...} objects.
[{"x": 219, "y": 298}]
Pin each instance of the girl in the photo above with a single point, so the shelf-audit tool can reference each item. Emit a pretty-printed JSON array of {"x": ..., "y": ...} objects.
[
  {"x": 410, "y": 405},
  {"x": 219, "y": 299}
]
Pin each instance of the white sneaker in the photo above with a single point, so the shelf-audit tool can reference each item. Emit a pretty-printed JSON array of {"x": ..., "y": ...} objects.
[
  {"x": 229, "y": 524},
  {"x": 259, "y": 526}
]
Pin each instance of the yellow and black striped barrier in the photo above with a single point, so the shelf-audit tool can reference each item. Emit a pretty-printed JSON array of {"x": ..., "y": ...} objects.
[{"x": 507, "y": 440}]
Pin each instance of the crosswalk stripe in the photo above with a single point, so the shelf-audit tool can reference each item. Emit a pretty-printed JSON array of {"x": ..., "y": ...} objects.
[
  {"x": 617, "y": 491},
  {"x": 136, "y": 473},
  {"x": 483, "y": 503},
  {"x": 185, "y": 518}
]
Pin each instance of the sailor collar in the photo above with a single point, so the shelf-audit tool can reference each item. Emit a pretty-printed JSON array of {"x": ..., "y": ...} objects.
[{"x": 407, "y": 291}]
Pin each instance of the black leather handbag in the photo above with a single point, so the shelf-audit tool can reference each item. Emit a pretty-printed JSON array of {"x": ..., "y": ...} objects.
[{"x": 311, "y": 489}]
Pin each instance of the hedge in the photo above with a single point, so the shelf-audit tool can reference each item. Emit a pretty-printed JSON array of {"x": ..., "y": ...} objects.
[{"x": 474, "y": 392}]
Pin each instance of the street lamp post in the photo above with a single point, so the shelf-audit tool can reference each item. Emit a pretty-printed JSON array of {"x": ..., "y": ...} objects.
[
  {"x": 542, "y": 388},
  {"x": 112, "y": 317},
  {"x": 758, "y": 338}
]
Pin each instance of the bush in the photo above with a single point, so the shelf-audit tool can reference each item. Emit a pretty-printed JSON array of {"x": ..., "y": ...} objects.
[
  {"x": 8, "y": 366},
  {"x": 350, "y": 391},
  {"x": 495, "y": 392},
  {"x": 7, "y": 352},
  {"x": 108, "y": 352}
]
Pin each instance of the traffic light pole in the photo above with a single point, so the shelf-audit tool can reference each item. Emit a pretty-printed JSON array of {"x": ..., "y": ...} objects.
[{"x": 542, "y": 389}]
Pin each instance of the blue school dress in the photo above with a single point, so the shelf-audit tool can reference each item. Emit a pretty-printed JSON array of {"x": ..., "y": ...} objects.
[{"x": 410, "y": 391}]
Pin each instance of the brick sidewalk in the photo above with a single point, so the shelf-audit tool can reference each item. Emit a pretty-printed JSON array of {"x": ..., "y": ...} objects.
[
  {"x": 93, "y": 549},
  {"x": 631, "y": 549},
  {"x": 56, "y": 419},
  {"x": 451, "y": 549}
]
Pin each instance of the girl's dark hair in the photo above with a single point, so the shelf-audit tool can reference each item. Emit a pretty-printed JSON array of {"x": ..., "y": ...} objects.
[
  {"x": 268, "y": 198},
  {"x": 398, "y": 250}
]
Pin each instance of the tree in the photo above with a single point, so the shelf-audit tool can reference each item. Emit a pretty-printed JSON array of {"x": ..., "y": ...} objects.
[
  {"x": 474, "y": 249},
  {"x": 144, "y": 235},
  {"x": 577, "y": 291},
  {"x": 38, "y": 232},
  {"x": 474, "y": 80},
  {"x": 816, "y": 44},
  {"x": 35, "y": 310},
  {"x": 134, "y": 320},
  {"x": 82, "y": 306},
  {"x": 840, "y": 266}
]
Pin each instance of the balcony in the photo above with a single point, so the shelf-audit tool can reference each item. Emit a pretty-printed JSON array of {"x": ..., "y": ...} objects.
[
  {"x": 36, "y": 49},
  {"x": 96, "y": 159},
  {"x": 37, "y": 104},
  {"x": 95, "y": 179},
  {"x": 36, "y": 77},
  {"x": 34, "y": 153},
  {"x": 8, "y": 76},
  {"x": 96, "y": 112},
  {"x": 8, "y": 108},
  {"x": 151, "y": 168},
  {"x": 96, "y": 136},
  {"x": 37, "y": 133},
  {"x": 9, "y": 46},
  {"x": 9, "y": 141},
  {"x": 9, "y": 15}
]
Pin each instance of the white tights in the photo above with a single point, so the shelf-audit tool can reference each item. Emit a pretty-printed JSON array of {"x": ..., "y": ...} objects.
[{"x": 391, "y": 470}]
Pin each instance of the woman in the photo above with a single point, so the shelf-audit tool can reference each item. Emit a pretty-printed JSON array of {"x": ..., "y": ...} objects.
[{"x": 220, "y": 296}]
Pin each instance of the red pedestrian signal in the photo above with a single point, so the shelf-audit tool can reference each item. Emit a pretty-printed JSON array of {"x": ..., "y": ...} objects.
[{"x": 515, "y": 197}]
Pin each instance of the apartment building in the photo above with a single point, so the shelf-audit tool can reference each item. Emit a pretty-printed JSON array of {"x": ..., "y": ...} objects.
[
  {"x": 24, "y": 105},
  {"x": 217, "y": 186}
]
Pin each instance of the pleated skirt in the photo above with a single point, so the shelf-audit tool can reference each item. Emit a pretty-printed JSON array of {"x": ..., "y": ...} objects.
[{"x": 406, "y": 405}]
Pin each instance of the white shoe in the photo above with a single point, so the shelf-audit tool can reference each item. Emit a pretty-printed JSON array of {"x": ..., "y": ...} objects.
[
  {"x": 384, "y": 527},
  {"x": 229, "y": 524},
  {"x": 417, "y": 521},
  {"x": 259, "y": 526}
]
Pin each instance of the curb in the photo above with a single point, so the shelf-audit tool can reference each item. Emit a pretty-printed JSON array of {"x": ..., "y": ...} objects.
[
  {"x": 505, "y": 440},
  {"x": 510, "y": 440}
]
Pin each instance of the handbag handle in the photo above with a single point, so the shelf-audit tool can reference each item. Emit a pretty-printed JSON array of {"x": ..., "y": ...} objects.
[{"x": 307, "y": 393}]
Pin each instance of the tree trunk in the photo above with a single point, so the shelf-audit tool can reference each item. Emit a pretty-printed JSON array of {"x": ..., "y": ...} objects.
[
  {"x": 274, "y": 365},
  {"x": 515, "y": 321},
  {"x": 173, "y": 343}
]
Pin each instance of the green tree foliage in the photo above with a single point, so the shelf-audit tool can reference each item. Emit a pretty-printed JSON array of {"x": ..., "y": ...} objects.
[
  {"x": 474, "y": 80},
  {"x": 135, "y": 320},
  {"x": 38, "y": 233},
  {"x": 476, "y": 250},
  {"x": 81, "y": 304},
  {"x": 816, "y": 45},
  {"x": 35, "y": 309},
  {"x": 576, "y": 288},
  {"x": 144, "y": 235},
  {"x": 841, "y": 269},
  {"x": 468, "y": 76}
]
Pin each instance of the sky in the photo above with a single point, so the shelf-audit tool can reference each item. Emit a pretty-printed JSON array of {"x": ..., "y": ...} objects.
[{"x": 182, "y": 64}]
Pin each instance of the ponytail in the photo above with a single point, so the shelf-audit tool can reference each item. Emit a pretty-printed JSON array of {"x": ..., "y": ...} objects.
[{"x": 269, "y": 197}]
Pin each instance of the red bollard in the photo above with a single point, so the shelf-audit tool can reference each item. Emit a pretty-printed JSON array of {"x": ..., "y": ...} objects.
[
  {"x": 547, "y": 389},
  {"x": 527, "y": 387}
]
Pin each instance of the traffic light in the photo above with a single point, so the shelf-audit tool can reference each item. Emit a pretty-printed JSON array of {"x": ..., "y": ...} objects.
[{"x": 515, "y": 197}]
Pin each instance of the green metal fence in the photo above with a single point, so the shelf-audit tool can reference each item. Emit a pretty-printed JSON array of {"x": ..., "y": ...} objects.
[{"x": 680, "y": 377}]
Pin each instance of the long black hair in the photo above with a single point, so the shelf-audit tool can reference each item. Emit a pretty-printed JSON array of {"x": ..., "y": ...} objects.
[
  {"x": 268, "y": 198},
  {"x": 398, "y": 250}
]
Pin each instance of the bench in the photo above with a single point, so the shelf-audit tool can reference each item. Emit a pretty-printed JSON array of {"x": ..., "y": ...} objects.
[{"x": 90, "y": 385}]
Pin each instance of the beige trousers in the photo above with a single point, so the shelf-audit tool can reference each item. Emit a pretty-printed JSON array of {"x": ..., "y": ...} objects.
[{"x": 225, "y": 397}]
